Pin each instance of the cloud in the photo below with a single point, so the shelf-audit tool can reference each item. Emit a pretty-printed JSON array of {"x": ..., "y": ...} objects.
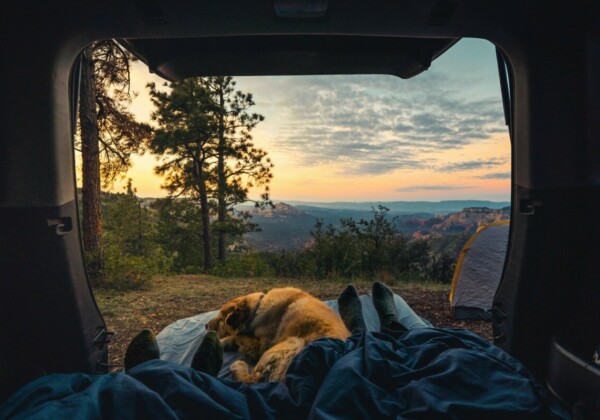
[
  {"x": 495, "y": 175},
  {"x": 470, "y": 165},
  {"x": 417, "y": 188},
  {"x": 378, "y": 124}
]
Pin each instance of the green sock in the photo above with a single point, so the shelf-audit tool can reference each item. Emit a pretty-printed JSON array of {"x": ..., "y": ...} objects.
[
  {"x": 383, "y": 300},
  {"x": 142, "y": 348},
  {"x": 350, "y": 309},
  {"x": 209, "y": 356}
]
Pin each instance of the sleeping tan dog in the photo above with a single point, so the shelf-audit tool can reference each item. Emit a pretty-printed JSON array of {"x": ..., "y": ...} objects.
[{"x": 271, "y": 329}]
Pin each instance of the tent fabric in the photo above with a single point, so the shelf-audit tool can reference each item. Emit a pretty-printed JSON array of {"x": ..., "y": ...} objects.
[
  {"x": 426, "y": 373},
  {"x": 178, "y": 342},
  {"x": 478, "y": 272}
]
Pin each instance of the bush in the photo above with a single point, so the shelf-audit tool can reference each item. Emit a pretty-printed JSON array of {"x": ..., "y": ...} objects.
[
  {"x": 296, "y": 264},
  {"x": 130, "y": 256},
  {"x": 441, "y": 268},
  {"x": 189, "y": 269},
  {"x": 127, "y": 273},
  {"x": 130, "y": 272},
  {"x": 245, "y": 265}
]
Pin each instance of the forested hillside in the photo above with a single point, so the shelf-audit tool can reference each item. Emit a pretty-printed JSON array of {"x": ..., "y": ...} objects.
[
  {"x": 287, "y": 227},
  {"x": 144, "y": 237}
]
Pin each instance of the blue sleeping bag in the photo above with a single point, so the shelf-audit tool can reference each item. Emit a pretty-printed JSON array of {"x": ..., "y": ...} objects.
[{"x": 426, "y": 373}]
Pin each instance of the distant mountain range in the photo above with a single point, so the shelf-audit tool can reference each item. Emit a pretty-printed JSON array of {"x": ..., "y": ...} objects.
[
  {"x": 288, "y": 226},
  {"x": 412, "y": 207}
]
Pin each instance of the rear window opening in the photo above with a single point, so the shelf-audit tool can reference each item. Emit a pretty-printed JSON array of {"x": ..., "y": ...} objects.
[{"x": 324, "y": 180}]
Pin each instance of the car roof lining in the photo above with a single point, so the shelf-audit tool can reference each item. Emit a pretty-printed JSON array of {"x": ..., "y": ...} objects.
[{"x": 176, "y": 59}]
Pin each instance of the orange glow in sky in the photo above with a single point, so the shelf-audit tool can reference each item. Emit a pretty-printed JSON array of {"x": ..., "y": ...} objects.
[{"x": 446, "y": 139}]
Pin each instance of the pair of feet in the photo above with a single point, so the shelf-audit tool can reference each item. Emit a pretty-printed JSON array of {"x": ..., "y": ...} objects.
[
  {"x": 351, "y": 313},
  {"x": 209, "y": 355}
]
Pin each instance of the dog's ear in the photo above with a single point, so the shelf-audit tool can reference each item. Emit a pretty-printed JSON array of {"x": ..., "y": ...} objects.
[{"x": 240, "y": 314}]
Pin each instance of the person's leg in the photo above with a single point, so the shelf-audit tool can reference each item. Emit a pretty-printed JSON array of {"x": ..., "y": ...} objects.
[
  {"x": 142, "y": 348},
  {"x": 209, "y": 356},
  {"x": 350, "y": 310},
  {"x": 383, "y": 300}
]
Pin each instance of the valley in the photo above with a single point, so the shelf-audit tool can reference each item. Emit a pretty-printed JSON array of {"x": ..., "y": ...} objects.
[{"x": 288, "y": 227}]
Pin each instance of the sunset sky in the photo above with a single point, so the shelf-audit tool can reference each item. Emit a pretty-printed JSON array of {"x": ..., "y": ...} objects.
[{"x": 438, "y": 136}]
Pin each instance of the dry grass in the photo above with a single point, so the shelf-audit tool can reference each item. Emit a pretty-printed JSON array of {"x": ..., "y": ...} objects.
[{"x": 175, "y": 297}]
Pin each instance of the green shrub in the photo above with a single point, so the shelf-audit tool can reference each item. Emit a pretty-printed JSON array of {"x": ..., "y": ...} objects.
[
  {"x": 129, "y": 272},
  {"x": 295, "y": 264},
  {"x": 245, "y": 265},
  {"x": 190, "y": 269}
]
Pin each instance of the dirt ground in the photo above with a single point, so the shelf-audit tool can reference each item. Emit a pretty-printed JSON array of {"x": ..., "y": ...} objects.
[{"x": 175, "y": 297}]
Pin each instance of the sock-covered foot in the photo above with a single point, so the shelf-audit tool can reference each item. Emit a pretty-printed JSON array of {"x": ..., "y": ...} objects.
[
  {"x": 209, "y": 356},
  {"x": 142, "y": 348},
  {"x": 351, "y": 309},
  {"x": 383, "y": 300}
]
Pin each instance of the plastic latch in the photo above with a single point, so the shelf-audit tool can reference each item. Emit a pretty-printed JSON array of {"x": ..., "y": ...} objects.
[
  {"x": 103, "y": 338},
  {"x": 62, "y": 225}
]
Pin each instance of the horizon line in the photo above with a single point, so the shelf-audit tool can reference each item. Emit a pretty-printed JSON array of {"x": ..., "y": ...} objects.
[{"x": 278, "y": 200}]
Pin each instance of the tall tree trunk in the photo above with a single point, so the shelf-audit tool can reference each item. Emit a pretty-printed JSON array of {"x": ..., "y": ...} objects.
[
  {"x": 222, "y": 182},
  {"x": 90, "y": 154},
  {"x": 204, "y": 211}
]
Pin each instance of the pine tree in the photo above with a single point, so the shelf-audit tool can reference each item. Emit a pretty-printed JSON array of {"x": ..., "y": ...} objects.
[
  {"x": 240, "y": 165},
  {"x": 187, "y": 148},
  {"x": 205, "y": 143},
  {"x": 109, "y": 134},
  {"x": 179, "y": 232}
]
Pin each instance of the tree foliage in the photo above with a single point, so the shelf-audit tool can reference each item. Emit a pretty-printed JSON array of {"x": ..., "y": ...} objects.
[
  {"x": 186, "y": 147},
  {"x": 204, "y": 143},
  {"x": 120, "y": 135},
  {"x": 373, "y": 248},
  {"x": 166, "y": 236},
  {"x": 240, "y": 165},
  {"x": 133, "y": 253},
  {"x": 365, "y": 248},
  {"x": 179, "y": 233},
  {"x": 108, "y": 135}
]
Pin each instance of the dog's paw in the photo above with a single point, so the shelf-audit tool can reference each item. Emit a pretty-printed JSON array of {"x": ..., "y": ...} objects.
[
  {"x": 239, "y": 370},
  {"x": 241, "y": 373},
  {"x": 229, "y": 343}
]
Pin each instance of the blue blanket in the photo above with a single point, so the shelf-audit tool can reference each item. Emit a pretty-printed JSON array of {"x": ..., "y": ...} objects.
[{"x": 426, "y": 373}]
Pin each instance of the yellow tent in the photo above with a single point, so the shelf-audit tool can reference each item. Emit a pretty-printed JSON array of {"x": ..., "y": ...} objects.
[{"x": 478, "y": 272}]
